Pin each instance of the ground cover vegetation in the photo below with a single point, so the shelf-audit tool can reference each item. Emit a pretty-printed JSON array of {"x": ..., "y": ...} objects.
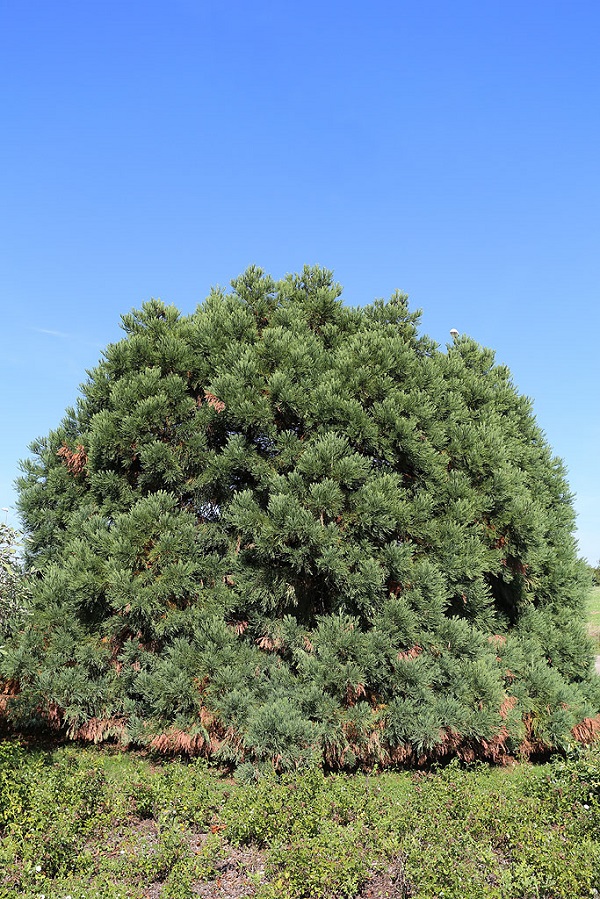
[
  {"x": 88, "y": 823},
  {"x": 282, "y": 530}
]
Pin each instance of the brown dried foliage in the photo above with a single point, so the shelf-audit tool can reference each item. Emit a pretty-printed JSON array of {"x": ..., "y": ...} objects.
[
  {"x": 497, "y": 640},
  {"x": 178, "y": 742},
  {"x": 54, "y": 715},
  {"x": 269, "y": 644},
  {"x": 308, "y": 646},
  {"x": 354, "y": 692},
  {"x": 531, "y": 745},
  {"x": 75, "y": 460},
  {"x": 214, "y": 402},
  {"x": 97, "y": 730},
  {"x": 587, "y": 731},
  {"x": 9, "y": 688},
  {"x": 507, "y": 705},
  {"x": 411, "y": 653}
]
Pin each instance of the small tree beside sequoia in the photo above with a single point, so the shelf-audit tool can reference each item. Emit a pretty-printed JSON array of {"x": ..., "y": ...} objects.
[{"x": 14, "y": 584}]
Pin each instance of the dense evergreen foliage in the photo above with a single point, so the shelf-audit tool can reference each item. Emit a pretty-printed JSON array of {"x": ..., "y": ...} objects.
[{"x": 280, "y": 528}]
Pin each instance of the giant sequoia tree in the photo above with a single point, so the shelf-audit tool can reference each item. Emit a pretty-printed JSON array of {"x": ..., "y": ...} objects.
[{"x": 280, "y": 528}]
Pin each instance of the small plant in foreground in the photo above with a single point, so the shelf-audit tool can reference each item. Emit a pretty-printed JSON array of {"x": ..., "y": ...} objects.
[{"x": 71, "y": 826}]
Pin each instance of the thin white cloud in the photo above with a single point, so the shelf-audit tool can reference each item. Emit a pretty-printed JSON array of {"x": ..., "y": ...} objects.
[
  {"x": 53, "y": 333},
  {"x": 64, "y": 335}
]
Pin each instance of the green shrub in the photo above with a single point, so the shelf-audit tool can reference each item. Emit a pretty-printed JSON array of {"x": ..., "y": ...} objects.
[
  {"x": 71, "y": 827},
  {"x": 334, "y": 862}
]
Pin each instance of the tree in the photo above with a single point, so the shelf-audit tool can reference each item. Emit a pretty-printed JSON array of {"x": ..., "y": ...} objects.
[
  {"x": 281, "y": 528},
  {"x": 14, "y": 586}
]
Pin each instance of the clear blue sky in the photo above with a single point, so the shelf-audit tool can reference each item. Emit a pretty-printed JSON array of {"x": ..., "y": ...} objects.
[{"x": 450, "y": 149}]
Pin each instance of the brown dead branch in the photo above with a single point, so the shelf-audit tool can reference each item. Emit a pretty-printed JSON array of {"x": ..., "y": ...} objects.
[
  {"x": 587, "y": 731},
  {"x": 76, "y": 461}
]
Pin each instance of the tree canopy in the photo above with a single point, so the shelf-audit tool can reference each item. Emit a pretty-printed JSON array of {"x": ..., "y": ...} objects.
[{"x": 281, "y": 528}]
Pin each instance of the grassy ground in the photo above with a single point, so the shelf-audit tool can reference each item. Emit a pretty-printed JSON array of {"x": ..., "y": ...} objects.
[
  {"x": 594, "y": 616},
  {"x": 83, "y": 823}
]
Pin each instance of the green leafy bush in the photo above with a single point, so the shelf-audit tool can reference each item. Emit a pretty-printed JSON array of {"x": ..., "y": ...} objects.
[{"x": 71, "y": 827}]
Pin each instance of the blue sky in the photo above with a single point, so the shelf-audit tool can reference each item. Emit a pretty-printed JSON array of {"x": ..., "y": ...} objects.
[{"x": 449, "y": 149}]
